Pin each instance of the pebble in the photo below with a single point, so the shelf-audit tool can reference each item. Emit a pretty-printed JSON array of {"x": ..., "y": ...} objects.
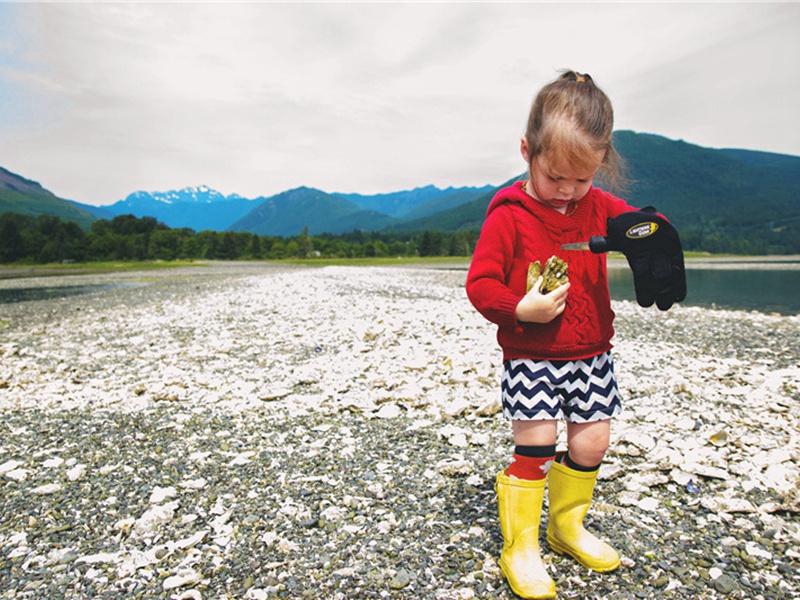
[
  {"x": 401, "y": 579},
  {"x": 724, "y": 584},
  {"x": 258, "y": 431}
]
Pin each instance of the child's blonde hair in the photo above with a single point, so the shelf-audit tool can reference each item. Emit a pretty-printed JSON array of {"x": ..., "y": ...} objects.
[{"x": 570, "y": 122}]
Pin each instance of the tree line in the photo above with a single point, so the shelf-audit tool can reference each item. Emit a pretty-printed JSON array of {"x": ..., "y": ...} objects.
[{"x": 48, "y": 239}]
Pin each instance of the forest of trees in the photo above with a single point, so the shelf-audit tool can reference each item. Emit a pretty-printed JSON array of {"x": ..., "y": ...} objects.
[{"x": 48, "y": 239}]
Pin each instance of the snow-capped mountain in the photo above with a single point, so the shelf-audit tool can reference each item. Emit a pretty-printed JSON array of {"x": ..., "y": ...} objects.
[
  {"x": 198, "y": 208},
  {"x": 195, "y": 195}
]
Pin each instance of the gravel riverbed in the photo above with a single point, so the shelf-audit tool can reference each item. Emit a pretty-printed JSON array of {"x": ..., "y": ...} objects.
[{"x": 255, "y": 431}]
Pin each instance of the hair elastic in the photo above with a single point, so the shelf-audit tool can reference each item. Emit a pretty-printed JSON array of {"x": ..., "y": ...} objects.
[{"x": 580, "y": 78}]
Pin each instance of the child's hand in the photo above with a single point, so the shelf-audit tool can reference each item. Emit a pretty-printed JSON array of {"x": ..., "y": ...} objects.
[{"x": 536, "y": 307}]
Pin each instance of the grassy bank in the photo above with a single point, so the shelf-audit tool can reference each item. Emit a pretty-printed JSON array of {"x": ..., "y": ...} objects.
[{"x": 16, "y": 270}]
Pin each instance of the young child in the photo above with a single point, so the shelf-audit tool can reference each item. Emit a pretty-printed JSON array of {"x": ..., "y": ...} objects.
[{"x": 556, "y": 346}]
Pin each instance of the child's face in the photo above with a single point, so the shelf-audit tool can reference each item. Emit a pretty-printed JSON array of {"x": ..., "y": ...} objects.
[
  {"x": 555, "y": 184},
  {"x": 559, "y": 186}
]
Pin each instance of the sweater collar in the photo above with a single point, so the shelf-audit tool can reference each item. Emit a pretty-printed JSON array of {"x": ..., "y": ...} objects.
[{"x": 550, "y": 217}]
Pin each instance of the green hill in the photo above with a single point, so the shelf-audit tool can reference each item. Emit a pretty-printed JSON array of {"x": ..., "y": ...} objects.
[
  {"x": 287, "y": 214},
  {"x": 717, "y": 196},
  {"x": 721, "y": 200},
  {"x": 26, "y": 197},
  {"x": 465, "y": 217}
]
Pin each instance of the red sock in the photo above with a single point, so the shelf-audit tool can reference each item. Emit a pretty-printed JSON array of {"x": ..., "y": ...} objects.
[{"x": 532, "y": 468}]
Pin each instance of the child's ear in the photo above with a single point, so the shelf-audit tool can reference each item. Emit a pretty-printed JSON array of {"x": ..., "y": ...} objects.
[{"x": 524, "y": 149}]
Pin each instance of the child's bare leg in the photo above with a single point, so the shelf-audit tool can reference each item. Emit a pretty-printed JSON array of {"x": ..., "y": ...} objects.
[
  {"x": 534, "y": 433},
  {"x": 588, "y": 442}
]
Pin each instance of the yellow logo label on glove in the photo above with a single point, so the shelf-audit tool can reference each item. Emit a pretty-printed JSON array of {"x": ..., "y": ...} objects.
[{"x": 641, "y": 230}]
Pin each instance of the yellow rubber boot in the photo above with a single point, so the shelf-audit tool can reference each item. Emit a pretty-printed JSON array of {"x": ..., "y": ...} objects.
[
  {"x": 520, "y": 505},
  {"x": 570, "y": 494}
]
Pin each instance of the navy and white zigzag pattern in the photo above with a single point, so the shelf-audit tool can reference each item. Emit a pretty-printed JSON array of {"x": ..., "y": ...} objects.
[{"x": 584, "y": 390}]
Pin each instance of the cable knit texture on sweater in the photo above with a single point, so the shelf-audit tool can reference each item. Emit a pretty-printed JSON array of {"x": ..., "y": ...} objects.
[{"x": 519, "y": 230}]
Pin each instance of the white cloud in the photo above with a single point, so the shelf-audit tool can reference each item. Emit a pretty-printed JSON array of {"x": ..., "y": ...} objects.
[{"x": 258, "y": 98}]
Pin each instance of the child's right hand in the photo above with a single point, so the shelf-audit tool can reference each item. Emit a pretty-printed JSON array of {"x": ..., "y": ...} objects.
[{"x": 536, "y": 307}]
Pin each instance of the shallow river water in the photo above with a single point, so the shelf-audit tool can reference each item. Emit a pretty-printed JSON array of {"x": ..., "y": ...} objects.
[{"x": 735, "y": 284}]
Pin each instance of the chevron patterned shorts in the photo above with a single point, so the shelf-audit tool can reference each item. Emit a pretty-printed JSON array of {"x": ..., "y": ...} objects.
[{"x": 579, "y": 390}]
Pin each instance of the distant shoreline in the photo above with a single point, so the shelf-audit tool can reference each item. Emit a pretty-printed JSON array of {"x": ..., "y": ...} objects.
[{"x": 790, "y": 262}]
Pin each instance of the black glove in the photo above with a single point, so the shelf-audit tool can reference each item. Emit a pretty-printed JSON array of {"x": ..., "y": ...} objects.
[{"x": 654, "y": 252}]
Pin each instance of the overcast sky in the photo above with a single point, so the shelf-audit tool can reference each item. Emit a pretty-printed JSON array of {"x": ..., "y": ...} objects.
[{"x": 98, "y": 100}]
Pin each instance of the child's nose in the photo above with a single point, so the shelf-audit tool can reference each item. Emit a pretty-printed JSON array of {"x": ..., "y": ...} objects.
[{"x": 566, "y": 189}]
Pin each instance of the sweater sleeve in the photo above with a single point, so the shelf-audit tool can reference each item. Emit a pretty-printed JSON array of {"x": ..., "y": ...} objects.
[
  {"x": 491, "y": 261},
  {"x": 616, "y": 206}
]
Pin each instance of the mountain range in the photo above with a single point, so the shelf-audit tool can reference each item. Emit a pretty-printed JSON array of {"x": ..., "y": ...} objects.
[
  {"x": 706, "y": 192},
  {"x": 287, "y": 213}
]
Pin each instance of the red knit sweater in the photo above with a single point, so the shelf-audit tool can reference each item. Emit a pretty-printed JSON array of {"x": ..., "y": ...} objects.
[{"x": 519, "y": 230}]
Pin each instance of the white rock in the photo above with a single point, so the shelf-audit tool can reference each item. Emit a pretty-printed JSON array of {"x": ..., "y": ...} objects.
[
  {"x": 193, "y": 484},
  {"x": 418, "y": 424},
  {"x": 610, "y": 471},
  {"x": 729, "y": 505},
  {"x": 459, "y": 440},
  {"x": 192, "y": 540},
  {"x": 154, "y": 517},
  {"x": 681, "y": 477},
  {"x": 17, "y": 474},
  {"x": 220, "y": 524},
  {"x": 242, "y": 458},
  {"x": 706, "y": 471},
  {"x": 780, "y": 477},
  {"x": 489, "y": 408},
  {"x": 641, "y": 440},
  {"x": 456, "y": 466},
  {"x": 76, "y": 472},
  {"x": 47, "y": 489},
  {"x": 334, "y": 513},
  {"x": 388, "y": 411},
  {"x": 628, "y": 498},
  {"x": 479, "y": 439},
  {"x": 456, "y": 408},
  {"x": 159, "y": 494},
  {"x": 384, "y": 527},
  {"x": 684, "y": 423},
  {"x": 376, "y": 489},
  {"x": 9, "y": 465},
  {"x": 755, "y": 550},
  {"x": 187, "y": 577},
  {"x": 627, "y": 562},
  {"x": 641, "y": 482},
  {"x": 474, "y": 480},
  {"x": 20, "y": 551},
  {"x": 648, "y": 504}
]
